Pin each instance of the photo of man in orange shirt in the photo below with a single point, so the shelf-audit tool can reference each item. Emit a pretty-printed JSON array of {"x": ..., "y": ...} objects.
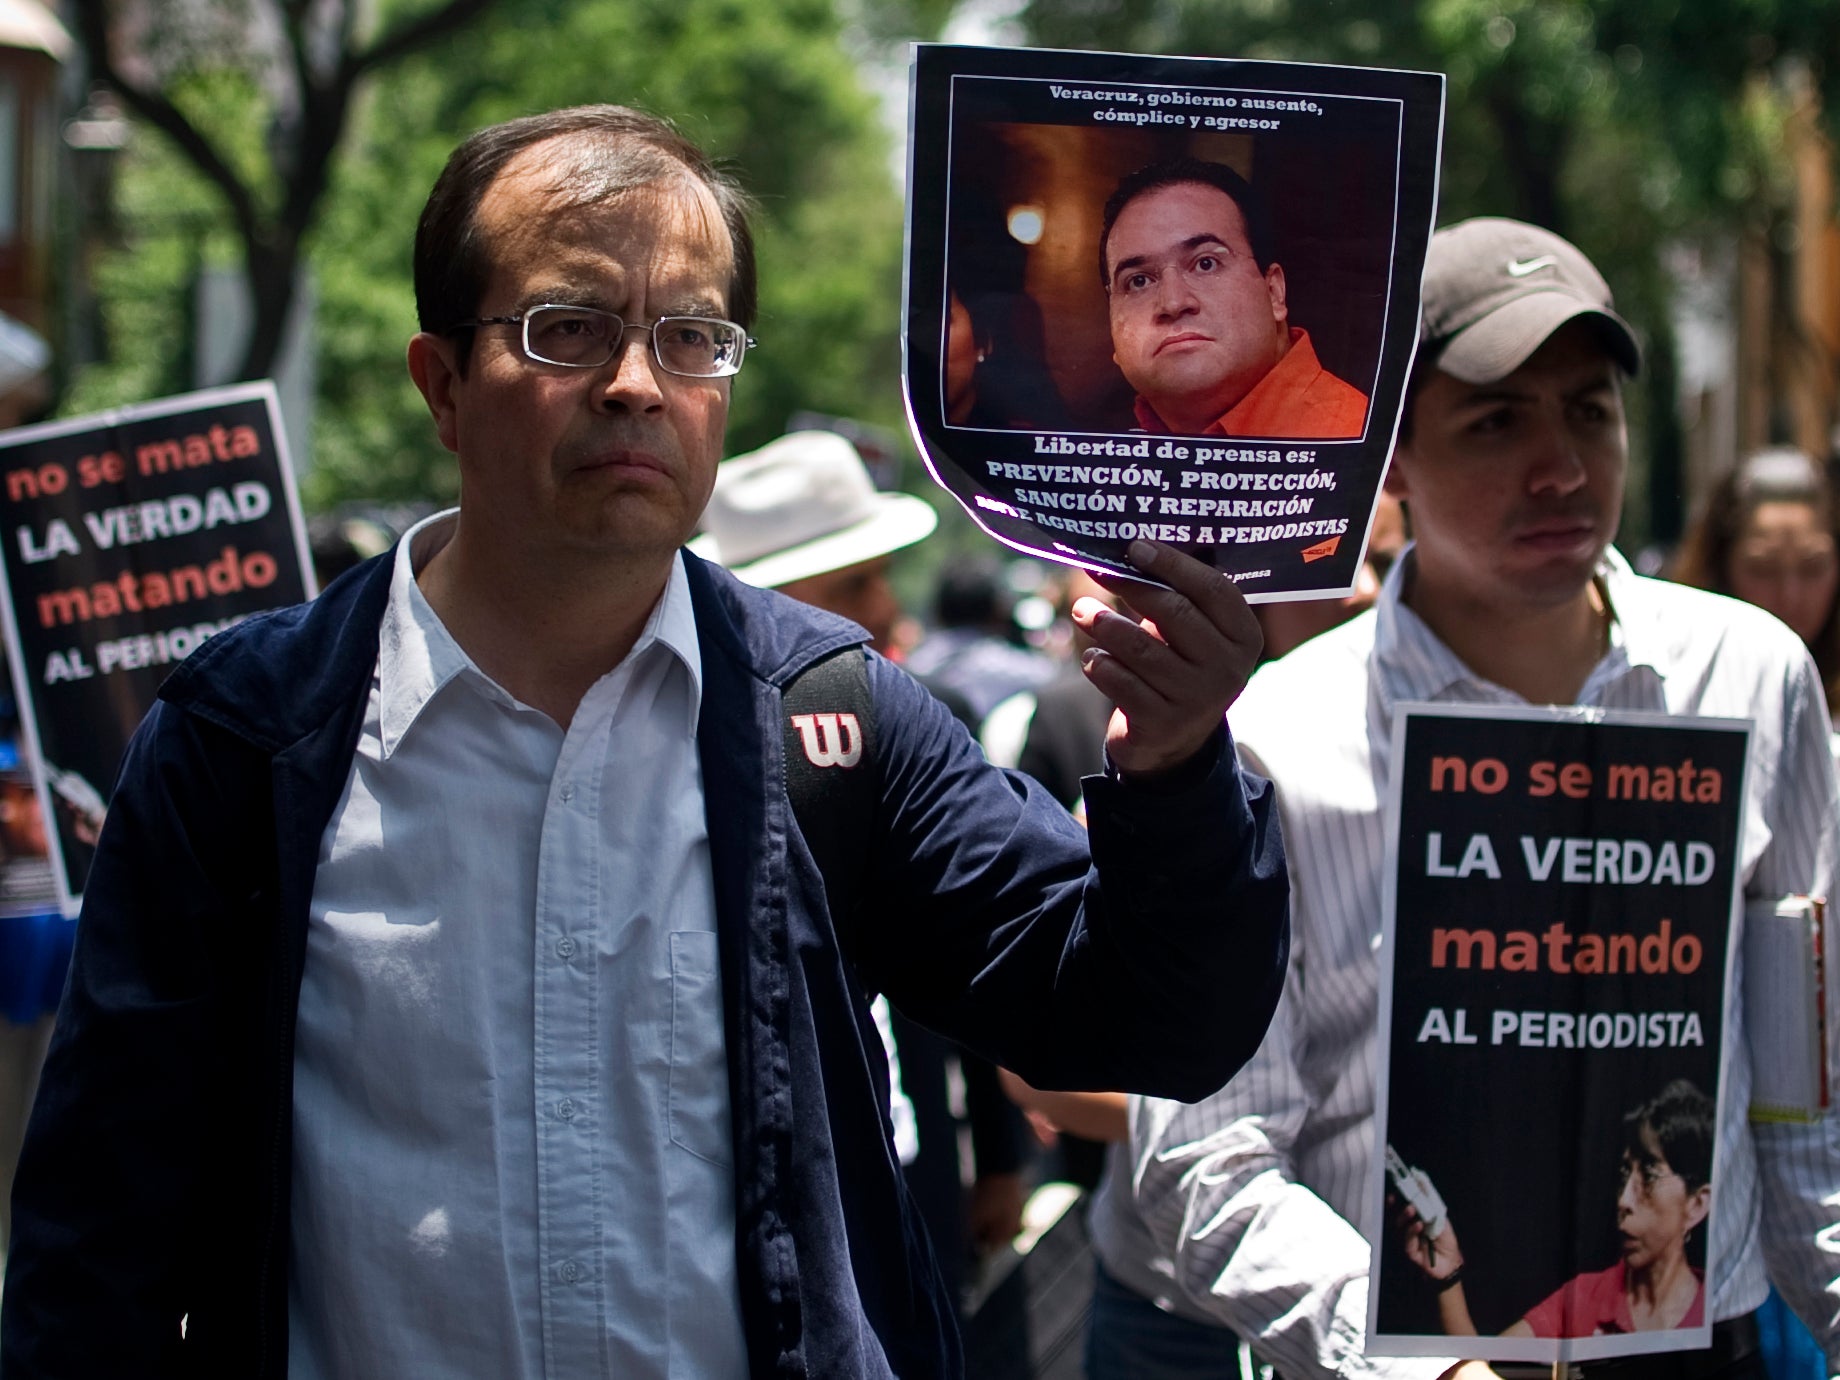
[{"x": 1200, "y": 326}]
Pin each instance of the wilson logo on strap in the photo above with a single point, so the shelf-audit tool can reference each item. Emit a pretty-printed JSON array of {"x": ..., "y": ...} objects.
[{"x": 830, "y": 740}]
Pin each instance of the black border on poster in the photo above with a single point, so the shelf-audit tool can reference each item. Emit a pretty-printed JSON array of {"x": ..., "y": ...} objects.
[
  {"x": 77, "y": 720},
  {"x": 1538, "y": 1219},
  {"x": 1281, "y": 516}
]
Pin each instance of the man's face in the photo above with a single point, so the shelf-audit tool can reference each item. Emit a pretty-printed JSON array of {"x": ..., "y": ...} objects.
[
  {"x": 1195, "y": 325},
  {"x": 1515, "y": 488},
  {"x": 614, "y": 460},
  {"x": 859, "y": 592}
]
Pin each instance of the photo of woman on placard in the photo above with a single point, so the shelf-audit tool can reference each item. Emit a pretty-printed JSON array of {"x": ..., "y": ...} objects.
[{"x": 1665, "y": 1194}]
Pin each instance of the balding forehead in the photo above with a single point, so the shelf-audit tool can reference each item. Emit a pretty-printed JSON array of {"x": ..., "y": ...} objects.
[
  {"x": 576, "y": 172},
  {"x": 585, "y": 168}
]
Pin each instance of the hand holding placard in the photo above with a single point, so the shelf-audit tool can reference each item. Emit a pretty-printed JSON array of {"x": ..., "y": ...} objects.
[{"x": 1173, "y": 672}]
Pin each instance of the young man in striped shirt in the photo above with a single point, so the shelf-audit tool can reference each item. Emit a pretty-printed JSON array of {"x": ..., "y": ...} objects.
[{"x": 1239, "y": 1216}]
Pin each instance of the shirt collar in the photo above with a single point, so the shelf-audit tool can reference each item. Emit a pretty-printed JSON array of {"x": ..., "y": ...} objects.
[
  {"x": 1416, "y": 665},
  {"x": 1295, "y": 369},
  {"x": 1639, "y": 628},
  {"x": 417, "y": 657},
  {"x": 673, "y": 626}
]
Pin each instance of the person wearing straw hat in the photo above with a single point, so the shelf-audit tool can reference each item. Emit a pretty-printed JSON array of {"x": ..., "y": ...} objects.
[{"x": 801, "y": 515}]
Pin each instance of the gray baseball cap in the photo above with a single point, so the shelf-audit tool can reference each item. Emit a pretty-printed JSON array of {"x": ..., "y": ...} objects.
[{"x": 1496, "y": 289}]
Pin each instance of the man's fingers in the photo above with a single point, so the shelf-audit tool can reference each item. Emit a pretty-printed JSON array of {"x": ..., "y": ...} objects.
[
  {"x": 1210, "y": 591},
  {"x": 1125, "y": 686},
  {"x": 1124, "y": 636},
  {"x": 1197, "y": 607},
  {"x": 1135, "y": 668},
  {"x": 1172, "y": 663}
]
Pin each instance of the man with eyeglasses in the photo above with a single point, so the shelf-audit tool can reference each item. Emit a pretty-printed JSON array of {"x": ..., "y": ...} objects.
[
  {"x": 456, "y": 993},
  {"x": 1200, "y": 319}
]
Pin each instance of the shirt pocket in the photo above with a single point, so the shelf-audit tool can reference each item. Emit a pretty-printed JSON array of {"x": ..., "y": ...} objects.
[{"x": 698, "y": 1096}]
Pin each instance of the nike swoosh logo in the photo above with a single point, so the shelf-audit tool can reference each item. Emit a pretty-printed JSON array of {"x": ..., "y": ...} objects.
[{"x": 1520, "y": 268}]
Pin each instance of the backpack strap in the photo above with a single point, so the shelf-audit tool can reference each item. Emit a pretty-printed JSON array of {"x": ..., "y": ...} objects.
[{"x": 833, "y": 775}]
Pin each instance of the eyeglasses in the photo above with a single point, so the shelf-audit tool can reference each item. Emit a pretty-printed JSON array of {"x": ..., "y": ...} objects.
[
  {"x": 697, "y": 347},
  {"x": 1650, "y": 1173}
]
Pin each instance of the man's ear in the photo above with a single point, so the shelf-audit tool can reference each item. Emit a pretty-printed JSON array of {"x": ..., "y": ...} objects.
[
  {"x": 1395, "y": 480},
  {"x": 435, "y": 368},
  {"x": 1274, "y": 284}
]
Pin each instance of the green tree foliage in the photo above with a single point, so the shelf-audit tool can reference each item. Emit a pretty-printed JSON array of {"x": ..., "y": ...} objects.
[
  {"x": 1625, "y": 125},
  {"x": 254, "y": 95},
  {"x": 768, "y": 87}
]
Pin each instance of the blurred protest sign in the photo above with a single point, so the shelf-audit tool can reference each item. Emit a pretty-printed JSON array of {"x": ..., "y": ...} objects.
[
  {"x": 1555, "y": 975},
  {"x": 1173, "y": 298},
  {"x": 130, "y": 537}
]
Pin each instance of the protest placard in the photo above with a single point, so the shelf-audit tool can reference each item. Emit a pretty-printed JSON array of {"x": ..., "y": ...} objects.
[
  {"x": 130, "y": 537},
  {"x": 27, "y": 885},
  {"x": 1173, "y": 298},
  {"x": 1556, "y": 968}
]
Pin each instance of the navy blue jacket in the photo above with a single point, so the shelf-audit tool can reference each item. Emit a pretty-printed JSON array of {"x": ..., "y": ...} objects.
[{"x": 154, "y": 1182}]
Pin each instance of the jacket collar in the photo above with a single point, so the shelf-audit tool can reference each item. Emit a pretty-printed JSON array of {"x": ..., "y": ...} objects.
[
  {"x": 418, "y": 657},
  {"x": 305, "y": 664},
  {"x": 308, "y": 662},
  {"x": 774, "y": 637}
]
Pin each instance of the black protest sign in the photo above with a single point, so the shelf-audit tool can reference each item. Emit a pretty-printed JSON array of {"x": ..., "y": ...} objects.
[
  {"x": 131, "y": 537},
  {"x": 1171, "y": 298},
  {"x": 1552, "y": 1022}
]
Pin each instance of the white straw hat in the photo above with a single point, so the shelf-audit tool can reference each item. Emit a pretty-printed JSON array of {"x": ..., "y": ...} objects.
[{"x": 804, "y": 505}]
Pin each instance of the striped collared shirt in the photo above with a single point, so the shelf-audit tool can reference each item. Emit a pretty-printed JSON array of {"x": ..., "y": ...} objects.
[{"x": 1246, "y": 1205}]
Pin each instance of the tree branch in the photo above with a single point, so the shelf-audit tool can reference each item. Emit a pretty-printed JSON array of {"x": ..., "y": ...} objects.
[
  {"x": 162, "y": 114},
  {"x": 294, "y": 24},
  {"x": 416, "y": 33}
]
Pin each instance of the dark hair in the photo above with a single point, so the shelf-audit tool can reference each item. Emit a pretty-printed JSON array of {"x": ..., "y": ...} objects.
[
  {"x": 1175, "y": 172},
  {"x": 1425, "y": 363},
  {"x": 622, "y": 149},
  {"x": 1778, "y": 475},
  {"x": 971, "y": 594},
  {"x": 1680, "y": 1119}
]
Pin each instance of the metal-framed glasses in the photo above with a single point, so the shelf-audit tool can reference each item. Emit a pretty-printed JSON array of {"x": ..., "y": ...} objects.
[
  {"x": 697, "y": 347},
  {"x": 1649, "y": 1174}
]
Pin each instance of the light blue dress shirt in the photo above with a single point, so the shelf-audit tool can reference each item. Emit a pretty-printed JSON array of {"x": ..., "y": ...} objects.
[{"x": 511, "y": 1120}]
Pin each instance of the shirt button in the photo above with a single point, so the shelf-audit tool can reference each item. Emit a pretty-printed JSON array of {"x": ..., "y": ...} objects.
[
  {"x": 568, "y": 794},
  {"x": 569, "y": 1271},
  {"x": 565, "y": 948},
  {"x": 566, "y": 1109}
]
